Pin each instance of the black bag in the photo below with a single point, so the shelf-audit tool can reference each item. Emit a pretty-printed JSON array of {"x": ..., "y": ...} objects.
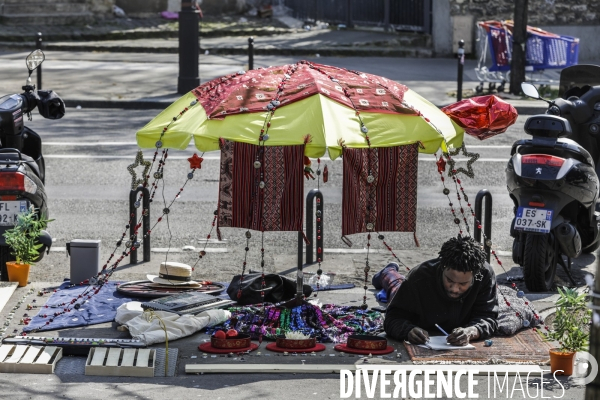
[{"x": 277, "y": 289}]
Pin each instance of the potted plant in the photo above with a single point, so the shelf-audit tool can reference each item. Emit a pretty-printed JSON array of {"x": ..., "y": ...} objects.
[
  {"x": 570, "y": 329},
  {"x": 24, "y": 245}
]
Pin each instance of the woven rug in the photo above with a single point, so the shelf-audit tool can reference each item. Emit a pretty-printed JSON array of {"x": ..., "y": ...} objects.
[{"x": 526, "y": 346}]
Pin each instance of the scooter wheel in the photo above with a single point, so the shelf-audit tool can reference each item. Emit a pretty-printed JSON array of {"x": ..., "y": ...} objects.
[{"x": 539, "y": 262}]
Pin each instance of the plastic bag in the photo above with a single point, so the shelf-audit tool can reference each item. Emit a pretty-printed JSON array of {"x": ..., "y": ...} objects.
[{"x": 482, "y": 116}]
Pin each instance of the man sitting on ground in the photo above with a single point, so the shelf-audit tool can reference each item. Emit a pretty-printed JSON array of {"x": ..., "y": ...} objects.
[{"x": 457, "y": 291}]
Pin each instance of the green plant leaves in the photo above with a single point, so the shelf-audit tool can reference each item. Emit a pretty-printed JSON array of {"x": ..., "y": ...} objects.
[
  {"x": 572, "y": 318},
  {"x": 23, "y": 237}
]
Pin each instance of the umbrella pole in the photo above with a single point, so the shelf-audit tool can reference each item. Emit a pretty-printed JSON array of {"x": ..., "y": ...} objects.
[{"x": 300, "y": 274}]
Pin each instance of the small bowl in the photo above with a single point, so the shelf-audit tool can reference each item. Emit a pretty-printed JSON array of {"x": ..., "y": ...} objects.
[
  {"x": 284, "y": 343},
  {"x": 366, "y": 342},
  {"x": 241, "y": 341}
]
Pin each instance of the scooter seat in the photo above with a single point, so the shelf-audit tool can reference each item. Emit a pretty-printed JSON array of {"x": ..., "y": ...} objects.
[
  {"x": 13, "y": 158},
  {"x": 562, "y": 145}
]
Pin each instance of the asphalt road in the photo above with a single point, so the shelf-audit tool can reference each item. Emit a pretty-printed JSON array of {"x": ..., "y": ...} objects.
[{"x": 88, "y": 151}]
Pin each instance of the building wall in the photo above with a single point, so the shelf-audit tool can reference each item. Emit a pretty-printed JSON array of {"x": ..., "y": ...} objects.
[{"x": 578, "y": 18}]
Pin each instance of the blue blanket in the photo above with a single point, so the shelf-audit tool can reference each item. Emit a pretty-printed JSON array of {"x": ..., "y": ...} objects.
[{"x": 101, "y": 308}]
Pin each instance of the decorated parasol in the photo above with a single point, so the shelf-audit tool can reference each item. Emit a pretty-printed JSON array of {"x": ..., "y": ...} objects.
[{"x": 323, "y": 106}]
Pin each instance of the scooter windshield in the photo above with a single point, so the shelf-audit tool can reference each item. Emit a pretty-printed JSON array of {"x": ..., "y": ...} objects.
[{"x": 578, "y": 76}]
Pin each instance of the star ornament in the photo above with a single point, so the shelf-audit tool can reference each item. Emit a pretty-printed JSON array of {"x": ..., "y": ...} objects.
[
  {"x": 451, "y": 163},
  {"x": 139, "y": 160},
  {"x": 195, "y": 161}
]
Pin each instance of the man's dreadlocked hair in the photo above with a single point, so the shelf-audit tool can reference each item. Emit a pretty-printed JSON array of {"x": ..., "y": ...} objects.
[{"x": 462, "y": 254}]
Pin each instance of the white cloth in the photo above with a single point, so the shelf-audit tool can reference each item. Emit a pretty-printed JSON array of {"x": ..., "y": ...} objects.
[{"x": 144, "y": 327}]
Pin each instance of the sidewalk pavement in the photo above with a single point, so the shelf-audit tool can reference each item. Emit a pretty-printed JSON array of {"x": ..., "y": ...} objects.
[{"x": 97, "y": 51}]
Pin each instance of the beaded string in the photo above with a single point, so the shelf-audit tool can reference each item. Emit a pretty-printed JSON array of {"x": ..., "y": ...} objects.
[
  {"x": 202, "y": 252},
  {"x": 96, "y": 282},
  {"x": 246, "y": 249},
  {"x": 389, "y": 248},
  {"x": 319, "y": 227},
  {"x": 441, "y": 164},
  {"x": 370, "y": 179}
]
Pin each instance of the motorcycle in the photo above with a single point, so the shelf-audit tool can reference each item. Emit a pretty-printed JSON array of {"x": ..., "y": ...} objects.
[
  {"x": 22, "y": 167},
  {"x": 552, "y": 179}
]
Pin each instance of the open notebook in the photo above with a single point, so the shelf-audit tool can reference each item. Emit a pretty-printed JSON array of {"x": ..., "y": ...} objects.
[{"x": 439, "y": 343}]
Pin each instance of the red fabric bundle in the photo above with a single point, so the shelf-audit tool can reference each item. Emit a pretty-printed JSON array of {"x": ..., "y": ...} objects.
[{"x": 482, "y": 116}]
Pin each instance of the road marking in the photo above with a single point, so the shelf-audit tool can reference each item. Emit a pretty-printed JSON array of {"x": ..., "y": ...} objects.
[
  {"x": 161, "y": 250},
  {"x": 132, "y": 157}
]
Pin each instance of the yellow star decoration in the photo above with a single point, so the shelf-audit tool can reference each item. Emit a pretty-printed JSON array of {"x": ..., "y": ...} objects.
[
  {"x": 139, "y": 160},
  {"x": 451, "y": 163}
]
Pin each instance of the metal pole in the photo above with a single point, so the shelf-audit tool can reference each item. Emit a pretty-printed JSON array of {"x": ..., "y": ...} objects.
[
  {"x": 300, "y": 274},
  {"x": 349, "y": 22},
  {"x": 486, "y": 222},
  {"x": 386, "y": 15},
  {"x": 309, "y": 226},
  {"x": 189, "y": 48},
  {"x": 592, "y": 390},
  {"x": 461, "y": 63},
  {"x": 250, "y": 53},
  {"x": 38, "y": 45}
]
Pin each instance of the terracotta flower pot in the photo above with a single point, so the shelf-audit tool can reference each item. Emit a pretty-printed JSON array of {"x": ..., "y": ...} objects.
[
  {"x": 560, "y": 361},
  {"x": 18, "y": 272}
]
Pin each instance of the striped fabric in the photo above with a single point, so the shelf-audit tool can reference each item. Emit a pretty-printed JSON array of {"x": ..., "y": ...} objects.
[
  {"x": 279, "y": 206},
  {"x": 389, "y": 202}
]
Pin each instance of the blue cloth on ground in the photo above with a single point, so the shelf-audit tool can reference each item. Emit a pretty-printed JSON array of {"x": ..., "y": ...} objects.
[
  {"x": 381, "y": 296},
  {"x": 101, "y": 308}
]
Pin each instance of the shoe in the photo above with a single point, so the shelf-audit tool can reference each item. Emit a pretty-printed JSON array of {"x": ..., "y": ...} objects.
[{"x": 376, "y": 280}]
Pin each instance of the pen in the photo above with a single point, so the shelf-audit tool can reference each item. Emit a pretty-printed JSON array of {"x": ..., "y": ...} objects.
[{"x": 443, "y": 331}]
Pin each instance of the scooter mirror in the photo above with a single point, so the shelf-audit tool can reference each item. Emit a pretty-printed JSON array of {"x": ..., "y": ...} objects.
[
  {"x": 34, "y": 60},
  {"x": 530, "y": 90}
]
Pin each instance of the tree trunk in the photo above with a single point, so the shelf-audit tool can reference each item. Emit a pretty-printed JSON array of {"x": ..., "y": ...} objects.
[{"x": 517, "y": 68}]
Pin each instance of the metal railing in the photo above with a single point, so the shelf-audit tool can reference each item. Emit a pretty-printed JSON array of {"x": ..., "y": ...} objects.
[{"x": 412, "y": 15}]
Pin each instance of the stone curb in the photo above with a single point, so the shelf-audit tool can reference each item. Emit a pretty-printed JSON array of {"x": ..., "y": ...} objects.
[
  {"x": 280, "y": 51},
  {"x": 142, "y": 34}
]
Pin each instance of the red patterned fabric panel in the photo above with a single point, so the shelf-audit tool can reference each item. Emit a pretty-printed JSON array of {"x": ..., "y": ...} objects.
[
  {"x": 389, "y": 202},
  {"x": 279, "y": 206}
]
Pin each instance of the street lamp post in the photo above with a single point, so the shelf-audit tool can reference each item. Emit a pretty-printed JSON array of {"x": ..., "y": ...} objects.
[{"x": 189, "y": 45}]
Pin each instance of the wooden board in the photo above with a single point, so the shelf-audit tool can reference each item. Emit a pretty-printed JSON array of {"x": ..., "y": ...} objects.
[
  {"x": 27, "y": 359},
  {"x": 336, "y": 368},
  {"x": 121, "y": 362},
  {"x": 6, "y": 290}
]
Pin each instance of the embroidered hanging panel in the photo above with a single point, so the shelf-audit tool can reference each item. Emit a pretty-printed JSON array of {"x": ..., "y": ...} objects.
[
  {"x": 279, "y": 205},
  {"x": 389, "y": 201}
]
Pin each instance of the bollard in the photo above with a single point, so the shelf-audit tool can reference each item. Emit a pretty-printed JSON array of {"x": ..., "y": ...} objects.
[
  {"x": 386, "y": 15},
  {"x": 38, "y": 45},
  {"x": 189, "y": 48},
  {"x": 250, "y": 53},
  {"x": 133, "y": 259},
  {"x": 486, "y": 222},
  {"x": 311, "y": 237},
  {"x": 461, "y": 64}
]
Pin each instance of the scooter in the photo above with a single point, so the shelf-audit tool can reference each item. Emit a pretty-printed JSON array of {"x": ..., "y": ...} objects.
[
  {"x": 552, "y": 179},
  {"x": 22, "y": 167}
]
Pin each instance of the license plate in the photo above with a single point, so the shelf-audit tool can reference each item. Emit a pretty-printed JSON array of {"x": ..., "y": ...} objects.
[
  {"x": 533, "y": 220},
  {"x": 9, "y": 211}
]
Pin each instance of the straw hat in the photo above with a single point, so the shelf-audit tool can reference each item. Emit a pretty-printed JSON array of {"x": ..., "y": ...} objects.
[{"x": 173, "y": 273}]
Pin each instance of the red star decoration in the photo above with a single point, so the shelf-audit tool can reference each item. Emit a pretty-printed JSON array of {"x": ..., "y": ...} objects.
[
  {"x": 441, "y": 164},
  {"x": 195, "y": 161}
]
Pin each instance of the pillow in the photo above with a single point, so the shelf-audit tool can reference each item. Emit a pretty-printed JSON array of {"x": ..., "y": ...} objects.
[{"x": 508, "y": 322}]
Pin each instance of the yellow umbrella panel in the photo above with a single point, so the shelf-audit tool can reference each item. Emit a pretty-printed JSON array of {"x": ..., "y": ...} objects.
[{"x": 325, "y": 120}]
